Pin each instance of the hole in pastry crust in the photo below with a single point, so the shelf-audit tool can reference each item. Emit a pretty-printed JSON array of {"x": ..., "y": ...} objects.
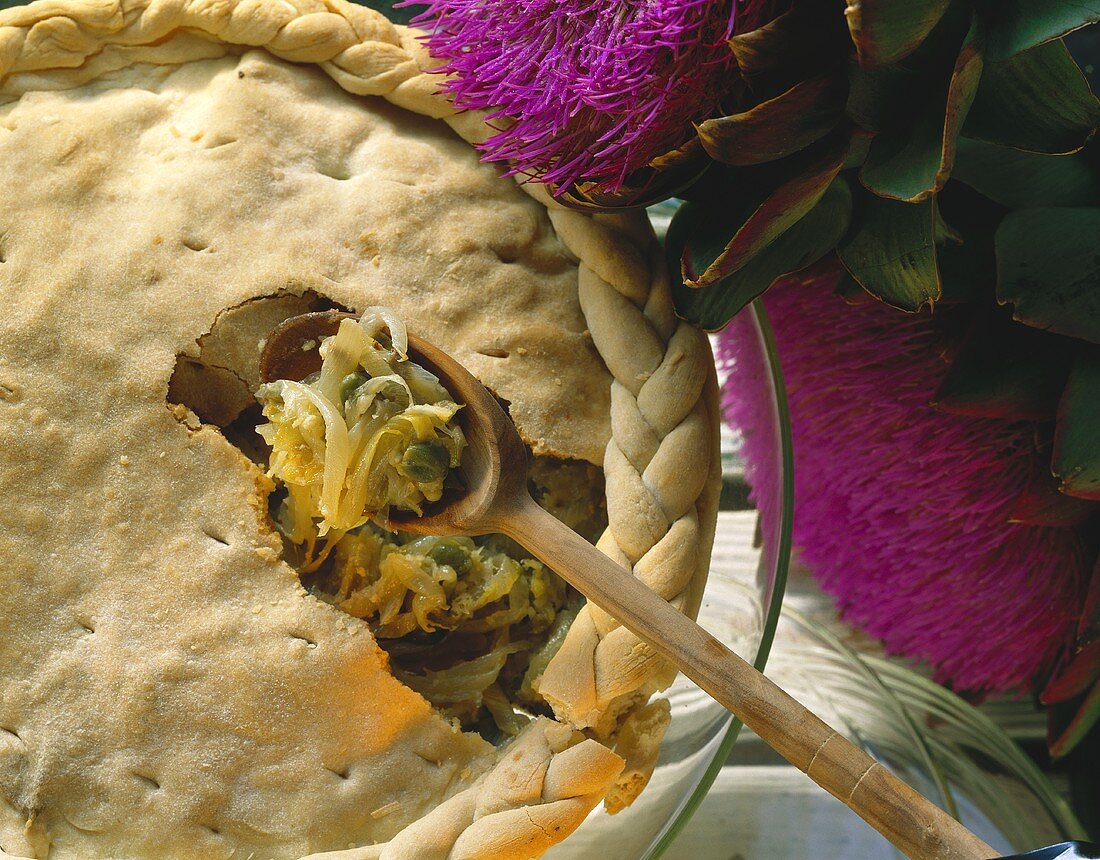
[
  {"x": 216, "y": 385},
  {"x": 85, "y": 625},
  {"x": 4, "y": 730},
  {"x": 220, "y": 140},
  {"x": 194, "y": 244},
  {"x": 217, "y": 538},
  {"x": 337, "y": 172},
  {"x": 219, "y": 383},
  {"x": 241, "y": 433},
  {"x": 343, "y": 774},
  {"x": 149, "y": 781}
]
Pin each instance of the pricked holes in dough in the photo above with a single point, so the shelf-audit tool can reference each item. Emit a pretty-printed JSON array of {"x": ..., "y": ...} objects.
[
  {"x": 217, "y": 141},
  {"x": 197, "y": 245},
  {"x": 11, "y": 735},
  {"x": 10, "y": 392},
  {"x": 148, "y": 781},
  {"x": 301, "y": 637},
  {"x": 338, "y": 172},
  {"x": 80, "y": 829},
  {"x": 215, "y": 536},
  {"x": 506, "y": 255}
]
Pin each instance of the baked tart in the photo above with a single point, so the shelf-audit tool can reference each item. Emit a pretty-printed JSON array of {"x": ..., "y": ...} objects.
[{"x": 197, "y": 658}]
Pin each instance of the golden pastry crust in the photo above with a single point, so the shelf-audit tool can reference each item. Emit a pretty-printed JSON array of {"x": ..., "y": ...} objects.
[{"x": 172, "y": 691}]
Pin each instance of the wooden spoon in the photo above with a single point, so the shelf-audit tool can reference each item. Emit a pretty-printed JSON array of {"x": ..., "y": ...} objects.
[{"x": 496, "y": 500}]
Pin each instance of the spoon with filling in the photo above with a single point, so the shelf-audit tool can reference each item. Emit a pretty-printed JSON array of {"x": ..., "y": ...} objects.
[{"x": 494, "y": 499}]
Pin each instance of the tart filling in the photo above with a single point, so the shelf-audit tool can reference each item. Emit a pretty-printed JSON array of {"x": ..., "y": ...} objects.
[
  {"x": 369, "y": 430},
  {"x": 467, "y": 625}
]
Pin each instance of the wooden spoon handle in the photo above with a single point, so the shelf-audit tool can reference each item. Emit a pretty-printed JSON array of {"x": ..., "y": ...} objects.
[{"x": 918, "y": 828}]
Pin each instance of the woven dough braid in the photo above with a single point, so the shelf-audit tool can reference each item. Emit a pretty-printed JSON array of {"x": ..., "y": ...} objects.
[
  {"x": 548, "y": 780},
  {"x": 656, "y": 463}
]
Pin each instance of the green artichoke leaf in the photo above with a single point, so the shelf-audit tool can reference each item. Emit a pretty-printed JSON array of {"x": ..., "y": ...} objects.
[
  {"x": 848, "y": 288},
  {"x": 1018, "y": 179},
  {"x": 911, "y": 159},
  {"x": 778, "y": 127},
  {"x": 749, "y": 207},
  {"x": 891, "y": 251},
  {"x": 1038, "y": 100},
  {"x": 1075, "y": 677},
  {"x": 1088, "y": 626},
  {"x": 668, "y": 175},
  {"x": 808, "y": 39},
  {"x": 943, "y": 234},
  {"x": 1075, "y": 709},
  {"x": 387, "y": 8},
  {"x": 1069, "y": 722},
  {"x": 1006, "y": 370},
  {"x": 1049, "y": 269},
  {"x": 801, "y": 245},
  {"x": 1076, "y": 456},
  {"x": 879, "y": 98},
  {"x": 885, "y": 31},
  {"x": 858, "y": 148},
  {"x": 968, "y": 263},
  {"x": 1016, "y": 25},
  {"x": 1042, "y": 504}
]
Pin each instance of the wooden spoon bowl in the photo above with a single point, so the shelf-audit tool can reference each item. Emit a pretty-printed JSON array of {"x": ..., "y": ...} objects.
[{"x": 494, "y": 463}]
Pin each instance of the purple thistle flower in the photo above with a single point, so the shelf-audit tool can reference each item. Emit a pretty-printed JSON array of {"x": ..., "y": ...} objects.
[
  {"x": 901, "y": 511},
  {"x": 584, "y": 90}
]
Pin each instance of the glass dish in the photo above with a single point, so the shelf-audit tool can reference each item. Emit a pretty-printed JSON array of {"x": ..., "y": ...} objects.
[
  {"x": 944, "y": 747},
  {"x": 742, "y": 611}
]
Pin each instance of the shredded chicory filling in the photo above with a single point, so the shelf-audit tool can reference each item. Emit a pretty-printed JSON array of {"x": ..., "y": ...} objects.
[{"x": 465, "y": 623}]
